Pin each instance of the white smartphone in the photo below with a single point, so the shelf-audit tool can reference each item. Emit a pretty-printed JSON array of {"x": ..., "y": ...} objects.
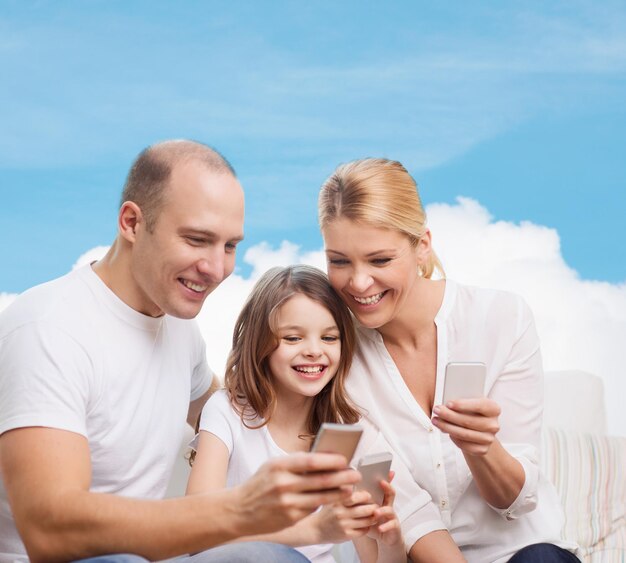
[
  {"x": 338, "y": 439},
  {"x": 373, "y": 469},
  {"x": 464, "y": 380}
]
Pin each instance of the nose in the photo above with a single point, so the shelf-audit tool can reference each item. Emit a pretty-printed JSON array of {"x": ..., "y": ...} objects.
[
  {"x": 213, "y": 266},
  {"x": 313, "y": 348},
  {"x": 360, "y": 280}
]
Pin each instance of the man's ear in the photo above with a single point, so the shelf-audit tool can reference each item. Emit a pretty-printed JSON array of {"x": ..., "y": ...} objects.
[{"x": 129, "y": 219}]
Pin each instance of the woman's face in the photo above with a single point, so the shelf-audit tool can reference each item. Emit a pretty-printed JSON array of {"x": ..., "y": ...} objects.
[{"x": 373, "y": 269}]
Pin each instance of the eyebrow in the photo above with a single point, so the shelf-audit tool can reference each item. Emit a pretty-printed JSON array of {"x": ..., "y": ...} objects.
[
  {"x": 381, "y": 251},
  {"x": 298, "y": 327},
  {"x": 208, "y": 234}
]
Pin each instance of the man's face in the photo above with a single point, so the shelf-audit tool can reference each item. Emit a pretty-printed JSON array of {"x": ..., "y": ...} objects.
[{"x": 191, "y": 249}]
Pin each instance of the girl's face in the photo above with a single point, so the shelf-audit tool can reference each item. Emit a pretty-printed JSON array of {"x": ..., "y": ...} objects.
[
  {"x": 309, "y": 348},
  {"x": 374, "y": 270}
]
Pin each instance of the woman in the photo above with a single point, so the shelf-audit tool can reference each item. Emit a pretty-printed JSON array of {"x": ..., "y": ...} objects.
[{"x": 478, "y": 458}]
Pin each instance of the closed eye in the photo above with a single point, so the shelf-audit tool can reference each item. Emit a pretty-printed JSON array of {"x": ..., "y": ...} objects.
[
  {"x": 196, "y": 241},
  {"x": 338, "y": 261},
  {"x": 291, "y": 338},
  {"x": 380, "y": 261}
]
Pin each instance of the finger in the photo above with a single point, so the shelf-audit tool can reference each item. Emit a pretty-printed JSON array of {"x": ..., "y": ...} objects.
[
  {"x": 388, "y": 526},
  {"x": 385, "y": 513},
  {"x": 361, "y": 511},
  {"x": 462, "y": 433},
  {"x": 313, "y": 500},
  {"x": 392, "y": 474},
  {"x": 483, "y": 406},
  {"x": 326, "y": 480},
  {"x": 310, "y": 462},
  {"x": 471, "y": 421},
  {"x": 389, "y": 493},
  {"x": 359, "y": 496}
]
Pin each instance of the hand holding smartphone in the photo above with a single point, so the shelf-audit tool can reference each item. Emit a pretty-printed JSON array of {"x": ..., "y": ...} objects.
[
  {"x": 337, "y": 439},
  {"x": 464, "y": 380},
  {"x": 374, "y": 468}
]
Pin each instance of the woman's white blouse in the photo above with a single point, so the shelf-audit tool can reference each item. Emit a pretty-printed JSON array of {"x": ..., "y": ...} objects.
[{"x": 473, "y": 325}]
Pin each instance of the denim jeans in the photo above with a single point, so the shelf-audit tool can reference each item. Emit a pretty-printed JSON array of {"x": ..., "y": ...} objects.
[
  {"x": 245, "y": 552},
  {"x": 543, "y": 553}
]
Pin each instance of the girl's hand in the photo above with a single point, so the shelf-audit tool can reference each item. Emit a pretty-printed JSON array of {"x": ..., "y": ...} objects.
[
  {"x": 472, "y": 424},
  {"x": 387, "y": 530},
  {"x": 347, "y": 520}
]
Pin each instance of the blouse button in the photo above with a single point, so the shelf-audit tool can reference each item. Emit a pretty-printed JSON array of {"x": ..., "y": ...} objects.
[
  {"x": 430, "y": 429},
  {"x": 438, "y": 465},
  {"x": 443, "y": 503}
]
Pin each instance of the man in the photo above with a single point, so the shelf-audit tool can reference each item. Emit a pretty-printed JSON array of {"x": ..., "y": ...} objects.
[{"x": 100, "y": 368}]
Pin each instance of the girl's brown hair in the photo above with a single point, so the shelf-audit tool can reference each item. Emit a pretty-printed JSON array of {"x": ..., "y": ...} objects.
[{"x": 248, "y": 378}]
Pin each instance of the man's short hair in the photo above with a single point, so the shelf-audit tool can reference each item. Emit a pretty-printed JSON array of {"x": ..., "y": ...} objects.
[{"x": 150, "y": 173}]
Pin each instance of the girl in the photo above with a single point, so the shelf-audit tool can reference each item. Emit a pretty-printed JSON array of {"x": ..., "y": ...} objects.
[
  {"x": 292, "y": 348},
  {"x": 478, "y": 458}
]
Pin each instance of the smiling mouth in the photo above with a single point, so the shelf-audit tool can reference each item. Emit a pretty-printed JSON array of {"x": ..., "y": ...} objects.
[
  {"x": 371, "y": 299},
  {"x": 310, "y": 371},
  {"x": 195, "y": 287}
]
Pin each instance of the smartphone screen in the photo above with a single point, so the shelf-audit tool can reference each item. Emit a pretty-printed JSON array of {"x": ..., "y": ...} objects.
[
  {"x": 464, "y": 380},
  {"x": 338, "y": 439},
  {"x": 374, "y": 468}
]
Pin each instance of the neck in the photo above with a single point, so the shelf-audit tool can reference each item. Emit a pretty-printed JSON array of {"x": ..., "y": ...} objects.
[
  {"x": 116, "y": 273},
  {"x": 291, "y": 415}
]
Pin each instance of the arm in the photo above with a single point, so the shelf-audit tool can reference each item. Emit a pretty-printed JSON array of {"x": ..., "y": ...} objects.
[
  {"x": 47, "y": 472},
  {"x": 505, "y": 468},
  {"x": 195, "y": 407},
  {"x": 472, "y": 425},
  {"x": 384, "y": 542},
  {"x": 436, "y": 547},
  {"x": 332, "y": 524}
]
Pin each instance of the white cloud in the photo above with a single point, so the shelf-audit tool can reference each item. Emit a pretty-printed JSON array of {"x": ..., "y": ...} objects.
[
  {"x": 581, "y": 323},
  {"x": 90, "y": 256}
]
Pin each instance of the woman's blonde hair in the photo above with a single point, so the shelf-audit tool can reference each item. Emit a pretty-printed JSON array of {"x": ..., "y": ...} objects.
[
  {"x": 248, "y": 379},
  {"x": 377, "y": 192}
]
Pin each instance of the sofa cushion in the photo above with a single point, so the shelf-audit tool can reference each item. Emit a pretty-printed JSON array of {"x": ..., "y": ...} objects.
[
  {"x": 589, "y": 475},
  {"x": 574, "y": 400}
]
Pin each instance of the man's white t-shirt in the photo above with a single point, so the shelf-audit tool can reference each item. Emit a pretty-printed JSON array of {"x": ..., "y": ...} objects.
[
  {"x": 74, "y": 357},
  {"x": 473, "y": 325}
]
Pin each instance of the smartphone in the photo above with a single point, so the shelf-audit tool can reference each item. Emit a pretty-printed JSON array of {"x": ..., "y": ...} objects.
[
  {"x": 373, "y": 469},
  {"x": 464, "y": 380},
  {"x": 337, "y": 439}
]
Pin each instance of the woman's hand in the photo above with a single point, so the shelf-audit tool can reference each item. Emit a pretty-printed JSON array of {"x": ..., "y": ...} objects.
[
  {"x": 347, "y": 520},
  {"x": 472, "y": 424}
]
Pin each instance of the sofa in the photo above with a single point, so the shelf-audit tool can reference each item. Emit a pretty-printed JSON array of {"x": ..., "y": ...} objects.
[{"x": 587, "y": 466}]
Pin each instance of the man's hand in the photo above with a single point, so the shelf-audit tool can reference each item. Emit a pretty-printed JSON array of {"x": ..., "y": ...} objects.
[{"x": 285, "y": 490}]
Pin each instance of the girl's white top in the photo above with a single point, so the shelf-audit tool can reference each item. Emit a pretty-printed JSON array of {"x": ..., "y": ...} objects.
[{"x": 249, "y": 448}]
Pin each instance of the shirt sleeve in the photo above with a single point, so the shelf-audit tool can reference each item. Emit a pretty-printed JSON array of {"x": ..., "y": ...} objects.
[
  {"x": 202, "y": 375},
  {"x": 414, "y": 507},
  {"x": 519, "y": 392},
  {"x": 46, "y": 379},
  {"x": 218, "y": 417}
]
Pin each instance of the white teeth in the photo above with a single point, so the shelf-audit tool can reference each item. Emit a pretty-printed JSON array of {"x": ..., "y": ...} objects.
[
  {"x": 371, "y": 300},
  {"x": 194, "y": 286},
  {"x": 309, "y": 369}
]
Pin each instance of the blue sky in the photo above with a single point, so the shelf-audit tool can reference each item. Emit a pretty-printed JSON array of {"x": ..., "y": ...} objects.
[{"x": 519, "y": 105}]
